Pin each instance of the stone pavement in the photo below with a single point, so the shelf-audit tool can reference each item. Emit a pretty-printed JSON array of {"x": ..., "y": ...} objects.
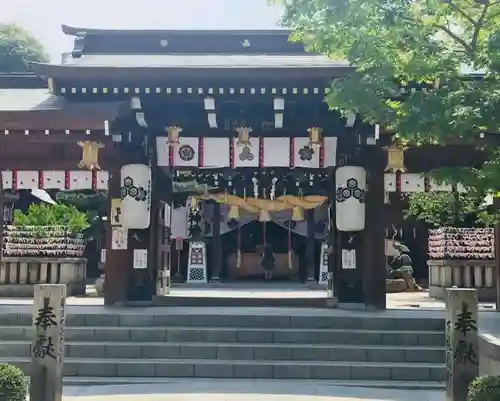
[
  {"x": 245, "y": 390},
  {"x": 405, "y": 300}
]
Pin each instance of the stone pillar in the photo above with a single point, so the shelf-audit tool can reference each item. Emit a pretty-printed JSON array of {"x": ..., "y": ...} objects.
[
  {"x": 47, "y": 356},
  {"x": 462, "y": 352}
]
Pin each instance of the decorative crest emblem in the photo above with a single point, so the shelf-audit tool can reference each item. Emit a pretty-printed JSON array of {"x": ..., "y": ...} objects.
[
  {"x": 186, "y": 153},
  {"x": 90, "y": 155},
  {"x": 351, "y": 190},
  {"x": 164, "y": 43},
  {"x": 246, "y": 43},
  {"x": 246, "y": 154},
  {"x": 306, "y": 153}
]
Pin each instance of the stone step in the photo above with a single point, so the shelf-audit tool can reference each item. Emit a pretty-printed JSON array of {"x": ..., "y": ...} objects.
[
  {"x": 236, "y": 320},
  {"x": 238, "y": 351},
  {"x": 305, "y": 383},
  {"x": 231, "y": 334},
  {"x": 208, "y": 368}
]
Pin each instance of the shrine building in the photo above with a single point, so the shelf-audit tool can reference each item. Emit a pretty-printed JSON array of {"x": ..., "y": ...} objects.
[{"x": 242, "y": 114}]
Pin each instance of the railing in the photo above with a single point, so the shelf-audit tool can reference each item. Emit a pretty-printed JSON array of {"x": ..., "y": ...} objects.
[{"x": 476, "y": 274}]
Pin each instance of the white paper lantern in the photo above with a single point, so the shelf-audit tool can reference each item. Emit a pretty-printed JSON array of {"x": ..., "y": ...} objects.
[
  {"x": 350, "y": 184},
  {"x": 136, "y": 196}
]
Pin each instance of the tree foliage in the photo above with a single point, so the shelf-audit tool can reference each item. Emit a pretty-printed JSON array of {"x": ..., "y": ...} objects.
[
  {"x": 394, "y": 44},
  {"x": 438, "y": 209},
  {"x": 17, "y": 47}
]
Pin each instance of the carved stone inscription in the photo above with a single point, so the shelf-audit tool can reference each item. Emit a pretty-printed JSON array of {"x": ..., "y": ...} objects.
[
  {"x": 47, "y": 355},
  {"x": 461, "y": 342}
]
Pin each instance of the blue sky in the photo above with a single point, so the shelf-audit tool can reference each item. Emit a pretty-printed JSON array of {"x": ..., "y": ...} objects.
[{"x": 44, "y": 17}]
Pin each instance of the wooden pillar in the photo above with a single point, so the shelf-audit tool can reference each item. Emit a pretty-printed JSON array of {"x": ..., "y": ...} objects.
[
  {"x": 372, "y": 239},
  {"x": 47, "y": 357},
  {"x": 310, "y": 259},
  {"x": 332, "y": 240},
  {"x": 217, "y": 257},
  {"x": 118, "y": 264},
  {"x": 461, "y": 341}
]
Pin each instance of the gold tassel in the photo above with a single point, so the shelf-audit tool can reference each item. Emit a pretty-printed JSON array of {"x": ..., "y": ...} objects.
[
  {"x": 264, "y": 215},
  {"x": 234, "y": 212},
  {"x": 194, "y": 203},
  {"x": 297, "y": 214}
]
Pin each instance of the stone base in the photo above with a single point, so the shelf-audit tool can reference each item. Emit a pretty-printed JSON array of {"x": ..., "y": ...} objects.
[
  {"x": 484, "y": 294},
  {"x": 395, "y": 285},
  {"x": 27, "y": 290},
  {"x": 18, "y": 275},
  {"x": 99, "y": 286}
]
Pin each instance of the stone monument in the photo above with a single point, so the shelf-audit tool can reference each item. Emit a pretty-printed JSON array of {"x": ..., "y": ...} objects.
[
  {"x": 461, "y": 341},
  {"x": 47, "y": 355}
]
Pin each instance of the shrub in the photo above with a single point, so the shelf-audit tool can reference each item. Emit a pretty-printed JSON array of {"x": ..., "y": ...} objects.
[
  {"x": 52, "y": 215},
  {"x": 485, "y": 388},
  {"x": 13, "y": 385}
]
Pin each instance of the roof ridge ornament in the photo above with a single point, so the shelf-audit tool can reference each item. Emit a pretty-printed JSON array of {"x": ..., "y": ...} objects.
[
  {"x": 164, "y": 43},
  {"x": 246, "y": 43}
]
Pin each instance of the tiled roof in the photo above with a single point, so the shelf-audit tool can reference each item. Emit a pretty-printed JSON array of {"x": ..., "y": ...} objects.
[
  {"x": 29, "y": 99},
  {"x": 206, "y": 61}
]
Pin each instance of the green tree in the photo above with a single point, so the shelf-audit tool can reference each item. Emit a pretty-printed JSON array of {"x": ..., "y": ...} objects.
[
  {"x": 17, "y": 47},
  {"x": 398, "y": 48}
]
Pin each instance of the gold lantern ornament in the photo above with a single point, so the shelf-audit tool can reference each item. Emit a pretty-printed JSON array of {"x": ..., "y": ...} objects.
[
  {"x": 90, "y": 155},
  {"x": 243, "y": 136},
  {"x": 315, "y": 134},
  {"x": 173, "y": 135},
  {"x": 395, "y": 158}
]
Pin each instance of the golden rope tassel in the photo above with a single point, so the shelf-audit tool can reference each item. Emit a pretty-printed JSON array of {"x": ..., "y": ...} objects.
[
  {"x": 234, "y": 213},
  {"x": 297, "y": 214},
  {"x": 194, "y": 203},
  {"x": 264, "y": 215}
]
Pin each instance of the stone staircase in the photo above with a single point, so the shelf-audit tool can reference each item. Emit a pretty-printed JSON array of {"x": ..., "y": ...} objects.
[{"x": 258, "y": 345}]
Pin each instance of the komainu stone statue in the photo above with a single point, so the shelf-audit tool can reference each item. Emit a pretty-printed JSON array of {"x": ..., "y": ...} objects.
[{"x": 402, "y": 267}]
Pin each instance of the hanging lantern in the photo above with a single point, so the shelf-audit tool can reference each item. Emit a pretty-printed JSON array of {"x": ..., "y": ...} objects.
[
  {"x": 264, "y": 215},
  {"x": 395, "y": 159},
  {"x": 243, "y": 136},
  {"x": 90, "y": 155},
  {"x": 234, "y": 213},
  {"x": 173, "y": 135},
  {"x": 136, "y": 196},
  {"x": 314, "y": 137},
  {"x": 297, "y": 214},
  {"x": 350, "y": 184}
]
